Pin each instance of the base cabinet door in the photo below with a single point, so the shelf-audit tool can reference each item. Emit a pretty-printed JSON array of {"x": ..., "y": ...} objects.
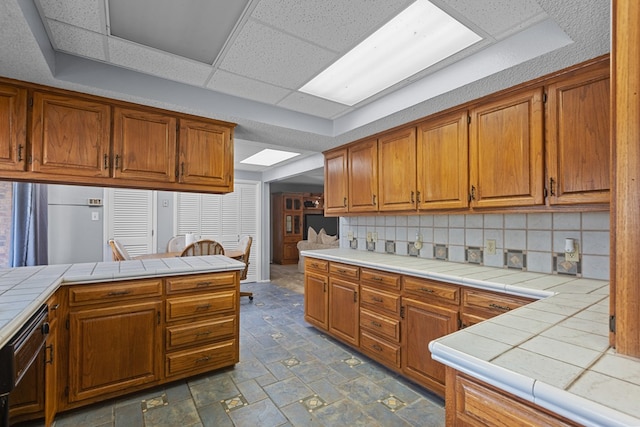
[
  {"x": 114, "y": 348},
  {"x": 316, "y": 300},
  {"x": 26, "y": 401},
  {"x": 423, "y": 323},
  {"x": 344, "y": 310}
]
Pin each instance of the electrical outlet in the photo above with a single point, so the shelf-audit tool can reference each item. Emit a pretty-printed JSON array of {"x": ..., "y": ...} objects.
[
  {"x": 95, "y": 216},
  {"x": 573, "y": 256},
  {"x": 491, "y": 247},
  {"x": 350, "y": 235},
  {"x": 369, "y": 236},
  {"x": 374, "y": 236}
]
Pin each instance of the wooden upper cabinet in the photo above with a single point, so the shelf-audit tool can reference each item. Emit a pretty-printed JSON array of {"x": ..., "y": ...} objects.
[
  {"x": 70, "y": 136},
  {"x": 144, "y": 145},
  {"x": 363, "y": 176},
  {"x": 578, "y": 140},
  {"x": 336, "y": 182},
  {"x": 397, "y": 170},
  {"x": 13, "y": 127},
  {"x": 443, "y": 162},
  {"x": 205, "y": 154},
  {"x": 505, "y": 151}
]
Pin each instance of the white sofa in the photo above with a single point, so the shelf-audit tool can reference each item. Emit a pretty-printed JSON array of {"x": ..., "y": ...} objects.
[{"x": 319, "y": 240}]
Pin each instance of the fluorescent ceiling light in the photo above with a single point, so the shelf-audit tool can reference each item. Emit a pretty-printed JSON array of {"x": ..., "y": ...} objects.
[
  {"x": 269, "y": 157},
  {"x": 417, "y": 38}
]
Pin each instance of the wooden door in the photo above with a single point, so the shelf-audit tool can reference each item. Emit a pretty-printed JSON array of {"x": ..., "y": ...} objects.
[
  {"x": 144, "y": 145},
  {"x": 363, "y": 176},
  {"x": 578, "y": 140},
  {"x": 422, "y": 323},
  {"x": 70, "y": 136},
  {"x": 397, "y": 170},
  {"x": 443, "y": 162},
  {"x": 206, "y": 154},
  {"x": 316, "y": 300},
  {"x": 336, "y": 196},
  {"x": 13, "y": 127},
  {"x": 344, "y": 310},
  {"x": 505, "y": 151},
  {"x": 114, "y": 348}
]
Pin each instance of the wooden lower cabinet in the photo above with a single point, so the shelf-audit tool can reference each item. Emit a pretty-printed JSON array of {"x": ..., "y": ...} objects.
[
  {"x": 316, "y": 300},
  {"x": 26, "y": 401},
  {"x": 344, "y": 310},
  {"x": 473, "y": 403}
]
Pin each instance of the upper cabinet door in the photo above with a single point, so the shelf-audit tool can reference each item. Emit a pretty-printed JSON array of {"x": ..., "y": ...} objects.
[
  {"x": 443, "y": 165},
  {"x": 335, "y": 182},
  {"x": 578, "y": 140},
  {"x": 363, "y": 176},
  {"x": 144, "y": 145},
  {"x": 505, "y": 144},
  {"x": 70, "y": 136},
  {"x": 13, "y": 127},
  {"x": 397, "y": 170},
  {"x": 206, "y": 154}
]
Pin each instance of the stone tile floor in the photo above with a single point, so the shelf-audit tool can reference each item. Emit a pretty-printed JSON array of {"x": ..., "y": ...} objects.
[{"x": 289, "y": 374}]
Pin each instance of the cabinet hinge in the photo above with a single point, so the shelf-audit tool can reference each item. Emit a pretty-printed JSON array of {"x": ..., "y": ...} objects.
[
  {"x": 402, "y": 312},
  {"x": 460, "y": 324},
  {"x": 468, "y": 119},
  {"x": 30, "y": 103},
  {"x": 158, "y": 318},
  {"x": 612, "y": 323},
  {"x": 66, "y": 324},
  {"x": 544, "y": 97}
]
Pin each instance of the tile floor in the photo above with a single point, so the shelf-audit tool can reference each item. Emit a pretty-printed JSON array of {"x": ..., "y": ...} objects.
[{"x": 289, "y": 374}]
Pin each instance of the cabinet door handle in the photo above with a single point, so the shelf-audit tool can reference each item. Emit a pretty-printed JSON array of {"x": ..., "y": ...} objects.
[
  {"x": 50, "y": 360},
  {"x": 355, "y": 296},
  {"x": 373, "y": 201},
  {"x": 552, "y": 190},
  {"x": 20, "y": 147},
  {"x": 412, "y": 197},
  {"x": 472, "y": 195},
  {"x": 376, "y": 347},
  {"x": 345, "y": 202},
  {"x": 106, "y": 161},
  {"x": 324, "y": 288},
  {"x": 500, "y": 307},
  {"x": 418, "y": 197},
  {"x": 117, "y": 166},
  {"x": 182, "y": 168}
]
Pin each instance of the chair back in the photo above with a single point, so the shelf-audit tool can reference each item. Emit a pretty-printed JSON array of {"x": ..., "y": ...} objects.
[
  {"x": 245, "y": 245},
  {"x": 176, "y": 243},
  {"x": 118, "y": 250},
  {"x": 203, "y": 247}
]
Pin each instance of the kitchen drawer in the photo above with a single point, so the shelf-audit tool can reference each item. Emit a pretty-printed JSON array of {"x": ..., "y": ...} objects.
[
  {"x": 380, "y": 325},
  {"x": 492, "y": 303},
  {"x": 202, "y": 359},
  {"x": 54, "y": 307},
  {"x": 378, "y": 300},
  {"x": 200, "y": 282},
  {"x": 379, "y": 349},
  {"x": 114, "y": 291},
  {"x": 344, "y": 270},
  {"x": 431, "y": 289},
  {"x": 316, "y": 265},
  {"x": 381, "y": 279},
  {"x": 201, "y": 305},
  {"x": 200, "y": 332}
]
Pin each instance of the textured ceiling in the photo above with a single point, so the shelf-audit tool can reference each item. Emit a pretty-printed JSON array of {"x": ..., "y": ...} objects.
[{"x": 249, "y": 70}]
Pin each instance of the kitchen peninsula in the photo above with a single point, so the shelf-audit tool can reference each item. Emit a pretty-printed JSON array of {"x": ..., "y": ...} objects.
[
  {"x": 118, "y": 327},
  {"x": 547, "y": 362}
]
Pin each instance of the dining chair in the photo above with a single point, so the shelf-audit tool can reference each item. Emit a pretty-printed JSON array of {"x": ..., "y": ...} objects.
[
  {"x": 203, "y": 247},
  {"x": 245, "y": 245},
  {"x": 176, "y": 243},
  {"x": 118, "y": 250}
]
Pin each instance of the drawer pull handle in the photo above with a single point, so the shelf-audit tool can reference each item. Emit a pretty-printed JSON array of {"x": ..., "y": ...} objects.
[
  {"x": 203, "y": 284},
  {"x": 203, "y": 359},
  {"x": 55, "y": 307},
  {"x": 376, "y": 347},
  {"x": 377, "y": 278},
  {"x": 427, "y": 290},
  {"x": 340, "y": 270},
  {"x": 50, "y": 348},
  {"x": 500, "y": 307},
  {"x": 118, "y": 293},
  {"x": 314, "y": 265},
  {"x": 199, "y": 334},
  {"x": 376, "y": 299},
  {"x": 376, "y": 324},
  {"x": 203, "y": 307}
]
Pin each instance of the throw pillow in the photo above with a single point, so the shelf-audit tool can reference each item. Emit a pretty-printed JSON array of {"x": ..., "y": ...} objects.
[
  {"x": 312, "y": 236},
  {"x": 327, "y": 239},
  {"x": 320, "y": 234}
]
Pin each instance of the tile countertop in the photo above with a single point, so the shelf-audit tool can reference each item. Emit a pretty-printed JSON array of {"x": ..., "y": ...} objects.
[
  {"x": 554, "y": 352},
  {"x": 24, "y": 289}
]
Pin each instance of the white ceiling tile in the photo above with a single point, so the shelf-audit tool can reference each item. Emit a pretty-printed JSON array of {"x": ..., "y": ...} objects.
[
  {"x": 336, "y": 24},
  {"x": 263, "y": 53},
  {"x": 77, "y": 41},
  {"x": 87, "y": 14},
  {"x": 233, "y": 84},
  {"x": 309, "y": 104},
  {"x": 157, "y": 63}
]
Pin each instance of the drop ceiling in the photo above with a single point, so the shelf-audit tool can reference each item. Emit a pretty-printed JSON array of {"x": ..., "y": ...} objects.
[{"x": 244, "y": 61}]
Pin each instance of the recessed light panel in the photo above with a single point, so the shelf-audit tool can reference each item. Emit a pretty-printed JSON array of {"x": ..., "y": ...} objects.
[
  {"x": 420, "y": 36},
  {"x": 269, "y": 157}
]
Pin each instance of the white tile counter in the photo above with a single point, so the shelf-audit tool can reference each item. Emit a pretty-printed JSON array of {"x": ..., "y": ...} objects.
[
  {"x": 553, "y": 352},
  {"x": 24, "y": 289}
]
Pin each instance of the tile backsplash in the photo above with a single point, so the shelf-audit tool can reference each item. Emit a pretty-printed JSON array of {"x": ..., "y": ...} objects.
[{"x": 531, "y": 242}]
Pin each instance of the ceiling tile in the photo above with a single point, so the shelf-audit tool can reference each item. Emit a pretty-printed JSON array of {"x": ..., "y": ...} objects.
[
  {"x": 336, "y": 24},
  {"x": 88, "y": 14},
  {"x": 263, "y": 53},
  {"x": 77, "y": 41},
  {"x": 313, "y": 105},
  {"x": 137, "y": 57},
  {"x": 223, "y": 81}
]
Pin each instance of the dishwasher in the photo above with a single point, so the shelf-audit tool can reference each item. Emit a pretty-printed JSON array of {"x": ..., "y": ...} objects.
[{"x": 19, "y": 354}]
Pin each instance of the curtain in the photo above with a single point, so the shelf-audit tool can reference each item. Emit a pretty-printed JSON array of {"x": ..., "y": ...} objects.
[{"x": 29, "y": 225}]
